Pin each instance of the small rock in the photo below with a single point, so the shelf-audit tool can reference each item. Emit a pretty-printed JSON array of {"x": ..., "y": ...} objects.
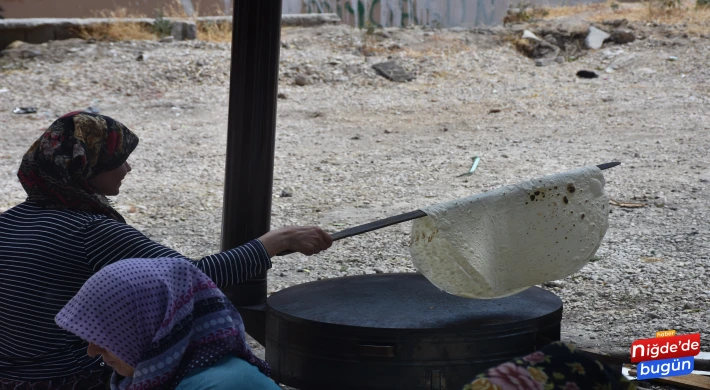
[
  {"x": 555, "y": 284},
  {"x": 142, "y": 57},
  {"x": 621, "y": 36},
  {"x": 549, "y": 38},
  {"x": 14, "y": 45},
  {"x": 302, "y": 80},
  {"x": 286, "y": 193},
  {"x": 379, "y": 271},
  {"x": 596, "y": 37},
  {"x": 534, "y": 47},
  {"x": 178, "y": 30},
  {"x": 391, "y": 70},
  {"x": 167, "y": 39},
  {"x": 281, "y": 95},
  {"x": 357, "y": 137},
  {"x": 30, "y": 53},
  {"x": 688, "y": 306},
  {"x": 672, "y": 58},
  {"x": 25, "y": 110},
  {"x": 93, "y": 110},
  {"x": 527, "y": 34},
  {"x": 560, "y": 60},
  {"x": 189, "y": 31},
  {"x": 540, "y": 62},
  {"x": 652, "y": 315},
  {"x": 587, "y": 74},
  {"x": 616, "y": 22}
]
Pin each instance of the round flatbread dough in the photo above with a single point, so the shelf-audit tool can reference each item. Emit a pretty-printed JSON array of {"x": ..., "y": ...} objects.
[{"x": 504, "y": 241}]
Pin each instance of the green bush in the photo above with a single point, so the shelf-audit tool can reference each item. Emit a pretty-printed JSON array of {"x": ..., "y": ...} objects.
[{"x": 161, "y": 26}]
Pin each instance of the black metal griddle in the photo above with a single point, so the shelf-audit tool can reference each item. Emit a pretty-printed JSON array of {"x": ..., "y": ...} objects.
[
  {"x": 387, "y": 331},
  {"x": 398, "y": 331}
]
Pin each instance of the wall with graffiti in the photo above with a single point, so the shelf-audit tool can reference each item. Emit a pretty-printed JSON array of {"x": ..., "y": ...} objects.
[
  {"x": 359, "y": 13},
  {"x": 400, "y": 13}
]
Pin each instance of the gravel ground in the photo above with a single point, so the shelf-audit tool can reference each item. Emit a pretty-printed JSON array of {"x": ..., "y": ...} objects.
[{"x": 353, "y": 147}]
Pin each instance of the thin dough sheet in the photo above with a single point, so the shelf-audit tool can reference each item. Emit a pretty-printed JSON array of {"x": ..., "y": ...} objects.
[{"x": 504, "y": 241}]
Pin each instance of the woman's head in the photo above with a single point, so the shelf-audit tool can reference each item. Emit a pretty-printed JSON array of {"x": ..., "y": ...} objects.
[
  {"x": 109, "y": 183},
  {"x": 159, "y": 317},
  {"x": 78, "y": 160}
]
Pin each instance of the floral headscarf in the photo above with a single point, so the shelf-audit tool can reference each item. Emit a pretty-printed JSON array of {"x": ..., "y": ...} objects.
[
  {"x": 164, "y": 317},
  {"x": 56, "y": 170}
]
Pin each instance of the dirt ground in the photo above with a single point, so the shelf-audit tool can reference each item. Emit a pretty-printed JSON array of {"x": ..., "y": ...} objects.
[{"x": 353, "y": 147}]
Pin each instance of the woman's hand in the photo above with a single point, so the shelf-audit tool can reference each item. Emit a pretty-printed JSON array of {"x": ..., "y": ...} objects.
[{"x": 308, "y": 240}]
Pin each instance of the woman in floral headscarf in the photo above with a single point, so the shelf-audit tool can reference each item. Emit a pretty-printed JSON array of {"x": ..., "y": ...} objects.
[
  {"x": 163, "y": 324},
  {"x": 67, "y": 230},
  {"x": 557, "y": 366}
]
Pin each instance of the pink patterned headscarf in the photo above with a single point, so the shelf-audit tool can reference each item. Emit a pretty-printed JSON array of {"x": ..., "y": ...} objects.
[{"x": 164, "y": 317}]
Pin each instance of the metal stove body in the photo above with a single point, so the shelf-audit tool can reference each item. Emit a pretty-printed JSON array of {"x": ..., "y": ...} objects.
[{"x": 398, "y": 331}]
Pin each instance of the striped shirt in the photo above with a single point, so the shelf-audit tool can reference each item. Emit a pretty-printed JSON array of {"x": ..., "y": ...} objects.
[{"x": 47, "y": 255}]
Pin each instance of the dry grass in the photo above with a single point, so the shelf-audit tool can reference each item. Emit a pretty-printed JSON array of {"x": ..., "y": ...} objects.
[
  {"x": 206, "y": 31},
  {"x": 522, "y": 45},
  {"x": 121, "y": 31},
  {"x": 558, "y": 12},
  {"x": 118, "y": 31},
  {"x": 695, "y": 19},
  {"x": 214, "y": 31}
]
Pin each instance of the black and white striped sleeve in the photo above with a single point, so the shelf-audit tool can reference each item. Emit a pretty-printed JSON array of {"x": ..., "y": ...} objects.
[{"x": 107, "y": 241}]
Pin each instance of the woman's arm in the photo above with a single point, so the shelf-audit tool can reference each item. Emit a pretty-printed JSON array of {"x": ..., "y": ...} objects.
[
  {"x": 308, "y": 240},
  {"x": 107, "y": 241}
]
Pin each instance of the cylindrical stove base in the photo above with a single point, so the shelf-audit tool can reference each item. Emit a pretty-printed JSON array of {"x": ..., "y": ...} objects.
[{"x": 398, "y": 331}]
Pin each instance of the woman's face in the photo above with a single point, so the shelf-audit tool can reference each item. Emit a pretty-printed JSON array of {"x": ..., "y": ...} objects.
[
  {"x": 111, "y": 360},
  {"x": 109, "y": 182}
]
